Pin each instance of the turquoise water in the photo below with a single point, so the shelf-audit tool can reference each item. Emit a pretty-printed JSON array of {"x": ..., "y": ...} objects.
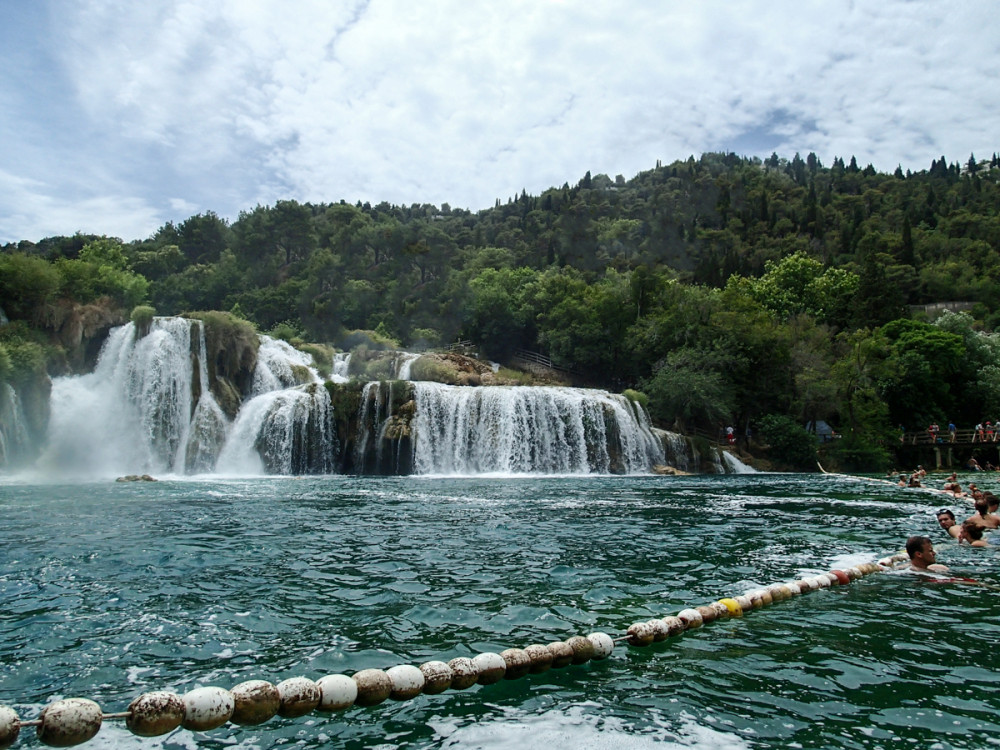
[{"x": 111, "y": 590}]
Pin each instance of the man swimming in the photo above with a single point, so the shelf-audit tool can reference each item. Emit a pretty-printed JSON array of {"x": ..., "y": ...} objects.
[
  {"x": 922, "y": 555},
  {"x": 946, "y": 519}
]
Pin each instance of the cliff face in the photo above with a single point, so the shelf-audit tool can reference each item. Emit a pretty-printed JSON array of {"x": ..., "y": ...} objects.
[{"x": 231, "y": 346}]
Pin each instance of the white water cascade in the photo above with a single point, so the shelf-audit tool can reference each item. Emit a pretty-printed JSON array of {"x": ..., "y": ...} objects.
[
  {"x": 341, "y": 367},
  {"x": 285, "y": 431},
  {"x": 550, "y": 430},
  {"x": 13, "y": 433},
  {"x": 136, "y": 413}
]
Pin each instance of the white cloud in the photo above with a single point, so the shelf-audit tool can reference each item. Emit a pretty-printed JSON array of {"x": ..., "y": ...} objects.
[
  {"x": 221, "y": 104},
  {"x": 28, "y": 210}
]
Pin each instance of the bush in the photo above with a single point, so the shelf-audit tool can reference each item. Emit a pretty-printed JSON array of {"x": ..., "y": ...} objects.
[
  {"x": 366, "y": 339},
  {"x": 6, "y": 367},
  {"x": 433, "y": 369},
  {"x": 142, "y": 316},
  {"x": 788, "y": 442},
  {"x": 424, "y": 338},
  {"x": 26, "y": 283},
  {"x": 322, "y": 357},
  {"x": 27, "y": 361},
  {"x": 636, "y": 397},
  {"x": 285, "y": 331}
]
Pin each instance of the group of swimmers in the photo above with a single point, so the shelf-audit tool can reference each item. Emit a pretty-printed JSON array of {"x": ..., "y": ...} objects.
[{"x": 970, "y": 531}]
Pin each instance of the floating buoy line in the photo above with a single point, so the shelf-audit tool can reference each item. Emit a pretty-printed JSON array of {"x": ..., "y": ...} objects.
[{"x": 72, "y": 721}]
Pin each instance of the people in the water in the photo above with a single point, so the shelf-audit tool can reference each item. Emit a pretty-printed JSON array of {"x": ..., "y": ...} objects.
[
  {"x": 972, "y": 534},
  {"x": 922, "y": 555},
  {"x": 946, "y": 520}
]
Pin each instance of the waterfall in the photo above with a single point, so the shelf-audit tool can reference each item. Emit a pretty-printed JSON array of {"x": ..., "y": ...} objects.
[
  {"x": 133, "y": 413},
  {"x": 733, "y": 465},
  {"x": 341, "y": 367},
  {"x": 282, "y": 432},
  {"x": 551, "y": 430},
  {"x": 404, "y": 361},
  {"x": 209, "y": 424},
  {"x": 14, "y": 440},
  {"x": 280, "y": 365},
  {"x": 679, "y": 452}
]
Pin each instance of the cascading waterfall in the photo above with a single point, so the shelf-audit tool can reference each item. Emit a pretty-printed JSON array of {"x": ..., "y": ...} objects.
[
  {"x": 285, "y": 428},
  {"x": 14, "y": 440},
  {"x": 133, "y": 413},
  {"x": 403, "y": 364},
  {"x": 371, "y": 421},
  {"x": 280, "y": 365},
  {"x": 503, "y": 429},
  {"x": 341, "y": 367},
  {"x": 209, "y": 424},
  {"x": 282, "y": 432}
]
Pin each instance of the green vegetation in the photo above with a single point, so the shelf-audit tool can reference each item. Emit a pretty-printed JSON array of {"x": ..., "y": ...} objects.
[{"x": 725, "y": 288}]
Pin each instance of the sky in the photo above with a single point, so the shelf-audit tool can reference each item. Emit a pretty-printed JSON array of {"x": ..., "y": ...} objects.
[{"x": 117, "y": 117}]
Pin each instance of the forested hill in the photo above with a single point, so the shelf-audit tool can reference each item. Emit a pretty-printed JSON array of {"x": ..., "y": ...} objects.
[{"x": 725, "y": 288}]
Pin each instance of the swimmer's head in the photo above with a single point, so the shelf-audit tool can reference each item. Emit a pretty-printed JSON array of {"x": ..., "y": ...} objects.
[{"x": 946, "y": 518}]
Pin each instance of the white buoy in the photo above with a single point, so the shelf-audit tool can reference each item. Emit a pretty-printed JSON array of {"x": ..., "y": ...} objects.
[
  {"x": 374, "y": 687},
  {"x": 491, "y": 667},
  {"x": 793, "y": 588},
  {"x": 562, "y": 654},
  {"x": 660, "y": 630},
  {"x": 541, "y": 657},
  {"x": 299, "y": 696},
  {"x": 437, "y": 677},
  {"x": 207, "y": 708},
  {"x": 69, "y": 722},
  {"x": 517, "y": 663},
  {"x": 745, "y": 602},
  {"x": 407, "y": 682},
  {"x": 720, "y": 609},
  {"x": 707, "y": 613},
  {"x": 603, "y": 645},
  {"x": 156, "y": 713},
  {"x": 464, "y": 671},
  {"x": 337, "y": 692},
  {"x": 675, "y": 625},
  {"x": 640, "y": 634},
  {"x": 583, "y": 649},
  {"x": 254, "y": 702},
  {"x": 691, "y": 618},
  {"x": 10, "y": 727}
]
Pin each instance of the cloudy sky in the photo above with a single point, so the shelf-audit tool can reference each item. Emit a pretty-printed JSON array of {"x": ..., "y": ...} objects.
[{"x": 118, "y": 116}]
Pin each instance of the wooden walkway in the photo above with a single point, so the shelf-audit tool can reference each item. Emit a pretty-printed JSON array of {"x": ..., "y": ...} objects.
[{"x": 962, "y": 437}]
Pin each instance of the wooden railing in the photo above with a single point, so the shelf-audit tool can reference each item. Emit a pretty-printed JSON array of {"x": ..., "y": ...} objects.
[{"x": 964, "y": 436}]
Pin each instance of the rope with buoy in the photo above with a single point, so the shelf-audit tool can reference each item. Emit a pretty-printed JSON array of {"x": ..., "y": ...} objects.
[{"x": 72, "y": 721}]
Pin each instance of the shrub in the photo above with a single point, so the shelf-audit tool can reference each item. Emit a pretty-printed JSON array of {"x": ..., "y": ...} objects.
[
  {"x": 433, "y": 369},
  {"x": 322, "y": 355},
  {"x": 636, "y": 397},
  {"x": 142, "y": 317},
  {"x": 788, "y": 442}
]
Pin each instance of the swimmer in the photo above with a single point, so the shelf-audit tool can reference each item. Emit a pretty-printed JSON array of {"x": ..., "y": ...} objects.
[
  {"x": 922, "y": 555},
  {"x": 946, "y": 519},
  {"x": 992, "y": 508},
  {"x": 972, "y": 534},
  {"x": 981, "y": 514}
]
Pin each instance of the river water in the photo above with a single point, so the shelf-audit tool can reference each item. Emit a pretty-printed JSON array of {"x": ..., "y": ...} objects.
[{"x": 111, "y": 590}]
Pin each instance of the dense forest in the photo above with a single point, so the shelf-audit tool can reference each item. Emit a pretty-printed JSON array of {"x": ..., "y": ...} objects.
[{"x": 725, "y": 289}]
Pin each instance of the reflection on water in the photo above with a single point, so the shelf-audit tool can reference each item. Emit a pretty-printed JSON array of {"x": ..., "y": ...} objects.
[{"x": 111, "y": 590}]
